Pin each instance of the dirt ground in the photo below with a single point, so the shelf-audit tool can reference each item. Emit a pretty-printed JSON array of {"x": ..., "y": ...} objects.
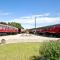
[{"x": 25, "y": 38}]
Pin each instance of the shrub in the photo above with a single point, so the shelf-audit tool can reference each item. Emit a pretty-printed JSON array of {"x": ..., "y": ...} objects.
[{"x": 50, "y": 50}]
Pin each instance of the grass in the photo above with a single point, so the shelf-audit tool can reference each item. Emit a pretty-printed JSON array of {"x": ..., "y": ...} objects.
[{"x": 18, "y": 51}]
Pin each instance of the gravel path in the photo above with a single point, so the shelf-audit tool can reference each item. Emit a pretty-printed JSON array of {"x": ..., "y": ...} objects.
[{"x": 25, "y": 38}]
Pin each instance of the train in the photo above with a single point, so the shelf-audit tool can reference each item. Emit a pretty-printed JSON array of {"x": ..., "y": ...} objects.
[
  {"x": 52, "y": 30},
  {"x": 7, "y": 30}
]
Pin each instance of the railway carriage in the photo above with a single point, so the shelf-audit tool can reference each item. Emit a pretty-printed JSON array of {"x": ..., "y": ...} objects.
[
  {"x": 5, "y": 29},
  {"x": 53, "y": 30}
]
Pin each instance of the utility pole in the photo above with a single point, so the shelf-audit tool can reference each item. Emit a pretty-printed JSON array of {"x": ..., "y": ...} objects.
[{"x": 35, "y": 25}]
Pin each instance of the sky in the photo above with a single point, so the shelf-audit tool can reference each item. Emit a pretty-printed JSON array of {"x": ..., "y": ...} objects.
[{"x": 46, "y": 12}]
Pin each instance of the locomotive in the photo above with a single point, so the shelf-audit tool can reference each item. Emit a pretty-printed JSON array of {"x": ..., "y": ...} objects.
[
  {"x": 52, "y": 30},
  {"x": 6, "y": 29}
]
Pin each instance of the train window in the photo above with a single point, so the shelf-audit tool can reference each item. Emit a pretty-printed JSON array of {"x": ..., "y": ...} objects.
[
  {"x": 58, "y": 26},
  {"x": 40, "y": 29},
  {"x": 9, "y": 27},
  {"x": 3, "y": 27},
  {"x": 54, "y": 26},
  {"x": 0, "y": 27}
]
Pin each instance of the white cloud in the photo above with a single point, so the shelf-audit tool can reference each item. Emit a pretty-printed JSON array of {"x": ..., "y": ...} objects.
[
  {"x": 41, "y": 20},
  {"x": 24, "y": 21},
  {"x": 29, "y": 22},
  {"x": 48, "y": 19},
  {"x": 42, "y": 15}
]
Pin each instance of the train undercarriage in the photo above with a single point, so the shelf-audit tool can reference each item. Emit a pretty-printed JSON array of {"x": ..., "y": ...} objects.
[
  {"x": 7, "y": 33},
  {"x": 48, "y": 34}
]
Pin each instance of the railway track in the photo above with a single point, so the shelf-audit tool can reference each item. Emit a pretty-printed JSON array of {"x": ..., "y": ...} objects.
[{"x": 26, "y": 38}]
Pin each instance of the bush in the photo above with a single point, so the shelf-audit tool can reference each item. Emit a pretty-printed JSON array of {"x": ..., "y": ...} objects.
[{"x": 50, "y": 50}]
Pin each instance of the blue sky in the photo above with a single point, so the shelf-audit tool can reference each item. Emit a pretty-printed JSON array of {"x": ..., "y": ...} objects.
[{"x": 47, "y": 12}]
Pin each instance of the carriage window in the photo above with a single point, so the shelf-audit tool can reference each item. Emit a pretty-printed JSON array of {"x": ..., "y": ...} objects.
[
  {"x": 0, "y": 27},
  {"x": 54, "y": 26}
]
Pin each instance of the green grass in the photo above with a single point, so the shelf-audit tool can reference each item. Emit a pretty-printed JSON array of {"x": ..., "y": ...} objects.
[{"x": 18, "y": 51}]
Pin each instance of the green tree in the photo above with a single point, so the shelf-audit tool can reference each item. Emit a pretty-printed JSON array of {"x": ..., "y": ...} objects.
[
  {"x": 3, "y": 23},
  {"x": 17, "y": 25}
]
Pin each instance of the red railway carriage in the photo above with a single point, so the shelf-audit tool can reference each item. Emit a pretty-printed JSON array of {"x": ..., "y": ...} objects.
[
  {"x": 48, "y": 30},
  {"x": 51, "y": 30},
  {"x": 41, "y": 30},
  {"x": 54, "y": 29},
  {"x": 5, "y": 29}
]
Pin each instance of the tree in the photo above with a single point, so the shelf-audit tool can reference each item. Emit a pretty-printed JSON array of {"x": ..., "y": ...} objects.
[
  {"x": 3, "y": 23},
  {"x": 17, "y": 25}
]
